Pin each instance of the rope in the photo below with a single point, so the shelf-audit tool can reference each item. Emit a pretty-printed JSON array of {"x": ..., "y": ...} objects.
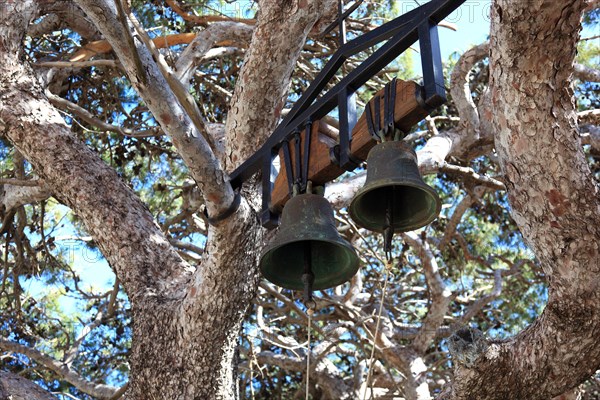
[
  {"x": 309, "y": 312},
  {"x": 252, "y": 372},
  {"x": 388, "y": 267}
]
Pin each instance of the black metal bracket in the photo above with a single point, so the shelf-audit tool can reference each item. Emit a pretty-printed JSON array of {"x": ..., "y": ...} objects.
[
  {"x": 387, "y": 131},
  {"x": 400, "y": 33},
  {"x": 235, "y": 204},
  {"x": 297, "y": 175}
]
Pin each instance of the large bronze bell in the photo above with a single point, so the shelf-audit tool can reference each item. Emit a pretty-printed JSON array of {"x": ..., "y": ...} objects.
[
  {"x": 394, "y": 194},
  {"x": 308, "y": 242}
]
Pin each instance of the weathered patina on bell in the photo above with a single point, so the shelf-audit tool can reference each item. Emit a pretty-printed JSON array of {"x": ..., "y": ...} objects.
[
  {"x": 394, "y": 194},
  {"x": 308, "y": 243}
]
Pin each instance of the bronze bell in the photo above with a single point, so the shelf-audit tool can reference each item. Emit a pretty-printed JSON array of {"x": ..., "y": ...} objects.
[
  {"x": 394, "y": 194},
  {"x": 308, "y": 242}
]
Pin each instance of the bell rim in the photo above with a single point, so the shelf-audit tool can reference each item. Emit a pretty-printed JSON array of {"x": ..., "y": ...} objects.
[
  {"x": 365, "y": 189},
  {"x": 354, "y": 266}
]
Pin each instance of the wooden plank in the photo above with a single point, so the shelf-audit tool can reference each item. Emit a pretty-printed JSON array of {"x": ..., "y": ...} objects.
[{"x": 322, "y": 168}]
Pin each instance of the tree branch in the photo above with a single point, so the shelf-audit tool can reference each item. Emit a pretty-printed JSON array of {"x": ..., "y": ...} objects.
[
  {"x": 324, "y": 373},
  {"x": 550, "y": 188},
  {"x": 13, "y": 195},
  {"x": 257, "y": 102},
  {"x": 584, "y": 73},
  {"x": 13, "y": 386},
  {"x": 462, "y": 207},
  {"x": 589, "y": 117},
  {"x": 439, "y": 295},
  {"x": 61, "y": 14},
  {"x": 78, "y": 64},
  {"x": 205, "y": 19},
  {"x": 591, "y": 5},
  {"x": 87, "y": 116},
  {"x": 205, "y": 41},
  {"x": 78, "y": 177},
  {"x": 97, "y": 390},
  {"x": 471, "y": 176},
  {"x": 73, "y": 351},
  {"x": 461, "y": 92}
]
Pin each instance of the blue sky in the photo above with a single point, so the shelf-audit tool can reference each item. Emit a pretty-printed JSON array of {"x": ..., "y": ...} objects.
[{"x": 473, "y": 27}]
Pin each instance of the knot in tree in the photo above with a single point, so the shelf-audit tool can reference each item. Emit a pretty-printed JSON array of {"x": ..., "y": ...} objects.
[{"x": 466, "y": 345}]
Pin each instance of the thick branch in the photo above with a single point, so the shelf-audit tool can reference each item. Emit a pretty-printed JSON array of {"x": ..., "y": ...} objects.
[
  {"x": 586, "y": 73},
  {"x": 589, "y": 117},
  {"x": 13, "y": 386},
  {"x": 205, "y": 41},
  {"x": 591, "y": 5},
  {"x": 77, "y": 176},
  {"x": 97, "y": 390},
  {"x": 12, "y": 196},
  {"x": 461, "y": 91},
  {"x": 61, "y": 14}
]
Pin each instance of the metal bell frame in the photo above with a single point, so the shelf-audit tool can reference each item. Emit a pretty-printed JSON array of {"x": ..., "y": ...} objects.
[{"x": 400, "y": 33}]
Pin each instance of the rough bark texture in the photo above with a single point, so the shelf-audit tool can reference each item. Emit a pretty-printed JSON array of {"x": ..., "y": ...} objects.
[
  {"x": 13, "y": 196},
  {"x": 185, "y": 322},
  {"x": 553, "y": 200},
  {"x": 15, "y": 387}
]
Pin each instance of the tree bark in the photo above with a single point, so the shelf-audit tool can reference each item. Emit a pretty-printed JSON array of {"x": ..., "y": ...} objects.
[{"x": 15, "y": 387}]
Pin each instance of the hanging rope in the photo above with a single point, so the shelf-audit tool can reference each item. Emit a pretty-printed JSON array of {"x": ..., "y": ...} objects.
[
  {"x": 252, "y": 371},
  {"x": 388, "y": 267},
  {"x": 309, "y": 311}
]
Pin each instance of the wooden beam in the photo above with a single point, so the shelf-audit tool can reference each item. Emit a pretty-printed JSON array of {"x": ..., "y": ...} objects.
[{"x": 322, "y": 168}]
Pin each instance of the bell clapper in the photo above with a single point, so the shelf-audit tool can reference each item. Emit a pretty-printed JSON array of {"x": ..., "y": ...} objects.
[
  {"x": 308, "y": 278},
  {"x": 388, "y": 233}
]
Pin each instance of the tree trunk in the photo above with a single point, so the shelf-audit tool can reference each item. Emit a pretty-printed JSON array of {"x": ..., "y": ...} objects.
[{"x": 553, "y": 200}]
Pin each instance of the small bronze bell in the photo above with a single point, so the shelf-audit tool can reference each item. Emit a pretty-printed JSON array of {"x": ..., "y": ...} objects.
[
  {"x": 308, "y": 244},
  {"x": 394, "y": 194}
]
